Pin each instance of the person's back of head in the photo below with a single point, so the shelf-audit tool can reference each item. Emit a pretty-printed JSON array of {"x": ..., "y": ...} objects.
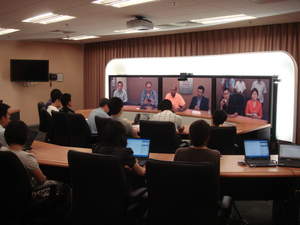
[
  {"x": 55, "y": 95},
  {"x": 219, "y": 117},
  {"x": 113, "y": 135},
  {"x": 115, "y": 106},
  {"x": 199, "y": 133},
  {"x": 103, "y": 103},
  {"x": 4, "y": 118},
  {"x": 65, "y": 99},
  {"x": 165, "y": 105},
  {"x": 16, "y": 133}
]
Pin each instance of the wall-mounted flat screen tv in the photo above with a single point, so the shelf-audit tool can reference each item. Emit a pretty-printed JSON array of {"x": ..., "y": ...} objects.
[{"x": 29, "y": 70}]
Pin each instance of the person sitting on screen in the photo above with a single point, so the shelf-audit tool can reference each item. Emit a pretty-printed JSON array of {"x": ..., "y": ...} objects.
[
  {"x": 56, "y": 103},
  {"x": 101, "y": 112},
  {"x": 254, "y": 107},
  {"x": 4, "y": 120},
  {"x": 54, "y": 92},
  {"x": 219, "y": 117},
  {"x": 224, "y": 103},
  {"x": 199, "y": 152},
  {"x": 120, "y": 92},
  {"x": 261, "y": 88},
  {"x": 166, "y": 114},
  {"x": 66, "y": 103},
  {"x": 115, "y": 111},
  {"x": 176, "y": 99},
  {"x": 148, "y": 96},
  {"x": 199, "y": 102}
]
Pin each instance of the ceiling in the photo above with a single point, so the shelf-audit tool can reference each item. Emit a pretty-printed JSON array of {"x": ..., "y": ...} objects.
[{"x": 92, "y": 19}]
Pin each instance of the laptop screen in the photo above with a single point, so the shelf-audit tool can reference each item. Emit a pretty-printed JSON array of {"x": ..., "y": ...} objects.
[
  {"x": 140, "y": 147},
  {"x": 289, "y": 151},
  {"x": 256, "y": 148}
]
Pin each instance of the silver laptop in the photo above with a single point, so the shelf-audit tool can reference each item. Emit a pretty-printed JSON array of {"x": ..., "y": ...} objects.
[
  {"x": 289, "y": 155},
  {"x": 140, "y": 148},
  {"x": 257, "y": 153}
]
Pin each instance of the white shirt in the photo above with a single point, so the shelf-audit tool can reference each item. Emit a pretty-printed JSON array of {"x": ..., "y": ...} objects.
[
  {"x": 52, "y": 108},
  {"x": 2, "y": 138},
  {"x": 240, "y": 86},
  {"x": 168, "y": 115},
  {"x": 261, "y": 88}
]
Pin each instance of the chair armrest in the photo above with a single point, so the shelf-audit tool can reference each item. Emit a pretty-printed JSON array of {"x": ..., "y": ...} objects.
[{"x": 138, "y": 193}]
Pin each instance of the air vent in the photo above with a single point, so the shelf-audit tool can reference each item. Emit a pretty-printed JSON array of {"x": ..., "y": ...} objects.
[{"x": 62, "y": 32}]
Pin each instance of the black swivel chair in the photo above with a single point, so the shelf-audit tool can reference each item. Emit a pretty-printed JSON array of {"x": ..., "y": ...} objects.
[
  {"x": 162, "y": 135},
  {"x": 60, "y": 133},
  {"x": 101, "y": 123},
  {"x": 99, "y": 189},
  {"x": 185, "y": 193},
  {"x": 224, "y": 139},
  {"x": 80, "y": 133}
]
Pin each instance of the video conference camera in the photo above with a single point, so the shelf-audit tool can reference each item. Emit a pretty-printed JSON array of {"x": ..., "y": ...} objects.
[{"x": 184, "y": 76}]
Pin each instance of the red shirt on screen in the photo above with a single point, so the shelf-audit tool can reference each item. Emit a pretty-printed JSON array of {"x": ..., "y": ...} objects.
[{"x": 254, "y": 107}]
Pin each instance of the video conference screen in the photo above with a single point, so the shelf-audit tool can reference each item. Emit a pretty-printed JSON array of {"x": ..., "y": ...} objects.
[{"x": 245, "y": 96}]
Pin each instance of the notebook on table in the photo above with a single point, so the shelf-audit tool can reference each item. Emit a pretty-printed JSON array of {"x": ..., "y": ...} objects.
[
  {"x": 257, "y": 153},
  {"x": 140, "y": 148},
  {"x": 289, "y": 155}
]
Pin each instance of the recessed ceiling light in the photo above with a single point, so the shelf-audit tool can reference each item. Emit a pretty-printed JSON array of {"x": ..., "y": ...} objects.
[
  {"x": 80, "y": 37},
  {"x": 223, "y": 19},
  {"x": 7, "y": 31},
  {"x": 129, "y": 31},
  {"x": 122, "y": 3},
  {"x": 48, "y": 18}
]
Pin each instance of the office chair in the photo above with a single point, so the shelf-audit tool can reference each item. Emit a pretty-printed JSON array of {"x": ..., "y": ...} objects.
[
  {"x": 44, "y": 118},
  {"x": 223, "y": 139},
  {"x": 162, "y": 135},
  {"x": 80, "y": 134},
  {"x": 101, "y": 123},
  {"x": 185, "y": 193},
  {"x": 100, "y": 192},
  {"x": 60, "y": 134}
]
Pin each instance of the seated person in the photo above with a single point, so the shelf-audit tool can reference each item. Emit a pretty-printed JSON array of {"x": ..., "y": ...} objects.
[
  {"x": 199, "y": 102},
  {"x": 15, "y": 135},
  {"x": 4, "y": 120},
  {"x": 101, "y": 112},
  {"x": 115, "y": 111},
  {"x": 120, "y": 92},
  {"x": 56, "y": 103},
  {"x": 254, "y": 107},
  {"x": 166, "y": 114},
  {"x": 54, "y": 92},
  {"x": 66, "y": 103},
  {"x": 236, "y": 103},
  {"x": 114, "y": 142},
  {"x": 198, "y": 152},
  {"x": 176, "y": 99},
  {"x": 219, "y": 117},
  {"x": 148, "y": 96}
]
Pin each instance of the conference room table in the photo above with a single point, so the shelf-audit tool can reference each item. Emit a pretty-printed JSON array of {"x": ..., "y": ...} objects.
[{"x": 241, "y": 182}]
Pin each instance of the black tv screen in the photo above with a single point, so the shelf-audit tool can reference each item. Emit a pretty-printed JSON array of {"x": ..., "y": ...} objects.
[{"x": 29, "y": 70}]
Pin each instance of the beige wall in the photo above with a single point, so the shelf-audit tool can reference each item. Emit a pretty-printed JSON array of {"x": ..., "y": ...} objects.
[{"x": 63, "y": 58}]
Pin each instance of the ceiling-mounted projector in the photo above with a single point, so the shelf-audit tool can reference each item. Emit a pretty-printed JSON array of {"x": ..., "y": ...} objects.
[{"x": 140, "y": 23}]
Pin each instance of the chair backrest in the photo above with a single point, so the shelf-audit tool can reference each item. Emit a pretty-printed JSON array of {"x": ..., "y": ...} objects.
[
  {"x": 182, "y": 193},
  {"x": 60, "y": 134},
  {"x": 223, "y": 139},
  {"x": 99, "y": 192},
  {"x": 80, "y": 134},
  {"x": 42, "y": 125},
  {"x": 162, "y": 135},
  {"x": 15, "y": 188},
  {"x": 101, "y": 123}
]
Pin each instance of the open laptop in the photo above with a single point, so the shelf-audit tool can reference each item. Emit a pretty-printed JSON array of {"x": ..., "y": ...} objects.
[
  {"x": 257, "y": 153},
  {"x": 30, "y": 138},
  {"x": 140, "y": 148},
  {"x": 289, "y": 155}
]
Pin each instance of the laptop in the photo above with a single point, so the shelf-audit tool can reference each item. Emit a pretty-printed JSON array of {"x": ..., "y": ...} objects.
[
  {"x": 257, "y": 153},
  {"x": 140, "y": 148},
  {"x": 289, "y": 155},
  {"x": 30, "y": 138}
]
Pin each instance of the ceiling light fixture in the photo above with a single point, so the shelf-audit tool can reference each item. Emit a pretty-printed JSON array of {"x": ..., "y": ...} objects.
[
  {"x": 130, "y": 31},
  {"x": 4, "y": 31},
  {"x": 223, "y": 19},
  {"x": 80, "y": 37},
  {"x": 121, "y": 3},
  {"x": 47, "y": 18}
]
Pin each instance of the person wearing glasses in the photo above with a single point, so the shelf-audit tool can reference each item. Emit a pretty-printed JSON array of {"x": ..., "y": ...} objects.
[{"x": 148, "y": 96}]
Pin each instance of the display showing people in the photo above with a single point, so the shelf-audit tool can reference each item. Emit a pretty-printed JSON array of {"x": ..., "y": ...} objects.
[
  {"x": 199, "y": 102},
  {"x": 149, "y": 96},
  {"x": 177, "y": 100},
  {"x": 120, "y": 92}
]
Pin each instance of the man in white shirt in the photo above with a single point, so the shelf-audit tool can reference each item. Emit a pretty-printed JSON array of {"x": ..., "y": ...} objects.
[
  {"x": 166, "y": 114},
  {"x": 56, "y": 103},
  {"x": 261, "y": 88},
  {"x": 240, "y": 86},
  {"x": 4, "y": 120},
  {"x": 120, "y": 92}
]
